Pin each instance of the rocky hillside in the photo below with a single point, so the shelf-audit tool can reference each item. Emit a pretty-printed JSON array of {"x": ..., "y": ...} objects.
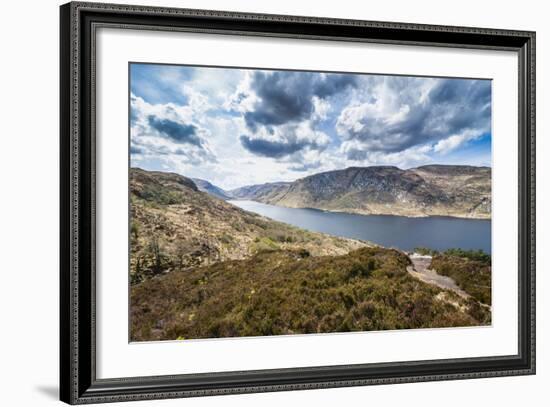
[
  {"x": 212, "y": 189},
  {"x": 175, "y": 226},
  {"x": 461, "y": 191},
  {"x": 268, "y": 192},
  {"x": 288, "y": 292}
]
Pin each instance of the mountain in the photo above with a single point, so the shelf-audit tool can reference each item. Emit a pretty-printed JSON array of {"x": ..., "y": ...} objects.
[
  {"x": 445, "y": 190},
  {"x": 212, "y": 189},
  {"x": 271, "y": 191},
  {"x": 203, "y": 268},
  {"x": 175, "y": 226}
]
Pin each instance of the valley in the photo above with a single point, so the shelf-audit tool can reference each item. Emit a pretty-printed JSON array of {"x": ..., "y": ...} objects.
[{"x": 201, "y": 267}]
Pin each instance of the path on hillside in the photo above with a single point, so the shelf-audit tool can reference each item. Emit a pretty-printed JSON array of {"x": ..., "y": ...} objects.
[{"x": 420, "y": 270}]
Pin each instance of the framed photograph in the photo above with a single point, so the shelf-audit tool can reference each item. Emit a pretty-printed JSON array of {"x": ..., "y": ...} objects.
[{"x": 255, "y": 203}]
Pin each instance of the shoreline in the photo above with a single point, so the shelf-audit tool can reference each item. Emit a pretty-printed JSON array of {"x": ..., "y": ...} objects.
[{"x": 362, "y": 213}]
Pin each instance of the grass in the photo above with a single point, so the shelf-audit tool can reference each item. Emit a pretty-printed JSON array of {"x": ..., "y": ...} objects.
[{"x": 263, "y": 244}]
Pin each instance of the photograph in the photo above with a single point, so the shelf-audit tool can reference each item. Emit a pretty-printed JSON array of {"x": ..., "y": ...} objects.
[
  {"x": 288, "y": 202},
  {"x": 255, "y": 201}
]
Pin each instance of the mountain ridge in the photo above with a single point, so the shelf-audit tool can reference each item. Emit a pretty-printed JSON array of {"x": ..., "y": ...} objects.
[
  {"x": 206, "y": 186},
  {"x": 462, "y": 191},
  {"x": 429, "y": 190}
]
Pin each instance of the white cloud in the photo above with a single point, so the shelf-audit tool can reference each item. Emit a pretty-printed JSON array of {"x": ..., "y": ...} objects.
[
  {"x": 358, "y": 154},
  {"x": 148, "y": 140},
  {"x": 456, "y": 140},
  {"x": 401, "y": 112},
  {"x": 243, "y": 98}
]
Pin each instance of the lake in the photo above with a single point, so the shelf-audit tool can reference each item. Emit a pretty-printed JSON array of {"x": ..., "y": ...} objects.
[{"x": 435, "y": 232}]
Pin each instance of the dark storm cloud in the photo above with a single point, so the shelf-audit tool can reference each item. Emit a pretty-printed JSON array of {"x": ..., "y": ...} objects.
[
  {"x": 273, "y": 149},
  {"x": 180, "y": 133},
  {"x": 288, "y": 96},
  {"x": 451, "y": 107},
  {"x": 332, "y": 84}
]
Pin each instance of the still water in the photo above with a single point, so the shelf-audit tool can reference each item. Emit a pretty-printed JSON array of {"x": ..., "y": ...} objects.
[{"x": 435, "y": 232}]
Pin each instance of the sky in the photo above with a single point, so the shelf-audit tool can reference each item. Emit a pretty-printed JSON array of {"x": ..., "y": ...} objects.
[{"x": 236, "y": 127}]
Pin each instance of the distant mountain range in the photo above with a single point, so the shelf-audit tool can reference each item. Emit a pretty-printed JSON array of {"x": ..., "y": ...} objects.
[
  {"x": 269, "y": 192},
  {"x": 445, "y": 190},
  {"x": 206, "y": 186}
]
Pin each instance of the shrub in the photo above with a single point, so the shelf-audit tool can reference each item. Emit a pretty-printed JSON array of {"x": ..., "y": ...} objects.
[
  {"x": 134, "y": 230},
  {"x": 225, "y": 238},
  {"x": 471, "y": 272},
  {"x": 477, "y": 255},
  {"x": 425, "y": 251},
  {"x": 363, "y": 270},
  {"x": 280, "y": 292}
]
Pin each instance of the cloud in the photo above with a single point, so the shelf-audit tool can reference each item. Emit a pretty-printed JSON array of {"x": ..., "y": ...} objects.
[
  {"x": 455, "y": 141},
  {"x": 274, "y": 149},
  {"x": 281, "y": 110},
  {"x": 407, "y": 158},
  {"x": 180, "y": 133},
  {"x": 283, "y": 97},
  {"x": 286, "y": 141},
  {"x": 406, "y": 112},
  {"x": 305, "y": 167},
  {"x": 237, "y": 126},
  {"x": 160, "y": 131},
  {"x": 136, "y": 150}
]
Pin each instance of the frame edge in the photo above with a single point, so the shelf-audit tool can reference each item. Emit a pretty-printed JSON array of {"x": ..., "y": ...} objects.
[{"x": 73, "y": 374}]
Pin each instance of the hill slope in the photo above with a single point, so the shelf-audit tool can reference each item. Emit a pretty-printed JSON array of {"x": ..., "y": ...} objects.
[
  {"x": 210, "y": 188},
  {"x": 285, "y": 292},
  {"x": 268, "y": 192},
  {"x": 175, "y": 226},
  {"x": 461, "y": 191}
]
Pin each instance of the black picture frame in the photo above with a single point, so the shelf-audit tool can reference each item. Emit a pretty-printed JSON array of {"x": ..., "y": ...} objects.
[{"x": 78, "y": 382}]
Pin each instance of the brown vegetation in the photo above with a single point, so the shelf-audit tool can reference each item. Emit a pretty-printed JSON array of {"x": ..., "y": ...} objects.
[
  {"x": 202, "y": 268},
  {"x": 470, "y": 270},
  {"x": 290, "y": 292},
  {"x": 175, "y": 226}
]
